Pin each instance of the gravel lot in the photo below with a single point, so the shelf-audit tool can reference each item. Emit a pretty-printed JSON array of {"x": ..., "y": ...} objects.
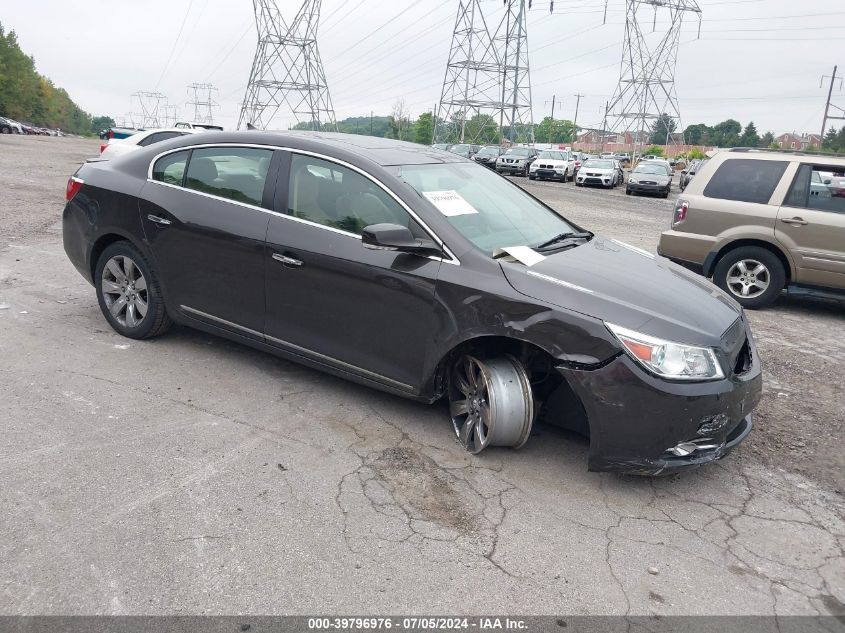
[{"x": 191, "y": 475}]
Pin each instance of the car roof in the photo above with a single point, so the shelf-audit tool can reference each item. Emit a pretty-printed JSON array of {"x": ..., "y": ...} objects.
[
  {"x": 382, "y": 151},
  {"x": 772, "y": 154}
]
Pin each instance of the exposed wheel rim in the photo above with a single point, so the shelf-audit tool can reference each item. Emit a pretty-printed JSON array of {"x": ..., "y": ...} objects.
[
  {"x": 490, "y": 403},
  {"x": 125, "y": 291},
  {"x": 748, "y": 279}
]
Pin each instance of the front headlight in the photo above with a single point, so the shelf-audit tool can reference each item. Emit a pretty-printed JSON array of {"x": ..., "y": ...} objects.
[
  {"x": 667, "y": 359},
  {"x": 631, "y": 180}
]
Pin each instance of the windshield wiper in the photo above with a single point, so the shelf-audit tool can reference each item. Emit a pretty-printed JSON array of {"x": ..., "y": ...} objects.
[{"x": 562, "y": 237}]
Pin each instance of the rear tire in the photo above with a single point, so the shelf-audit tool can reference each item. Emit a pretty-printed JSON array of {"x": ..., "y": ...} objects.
[
  {"x": 752, "y": 270},
  {"x": 129, "y": 293},
  {"x": 627, "y": 191}
]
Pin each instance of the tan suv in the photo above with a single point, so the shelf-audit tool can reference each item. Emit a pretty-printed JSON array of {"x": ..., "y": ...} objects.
[{"x": 759, "y": 221}]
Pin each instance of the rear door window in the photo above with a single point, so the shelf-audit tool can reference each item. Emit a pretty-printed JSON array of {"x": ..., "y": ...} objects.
[
  {"x": 746, "y": 180},
  {"x": 818, "y": 187},
  {"x": 234, "y": 173}
]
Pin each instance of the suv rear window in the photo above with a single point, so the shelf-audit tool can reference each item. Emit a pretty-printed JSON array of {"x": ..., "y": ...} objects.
[{"x": 745, "y": 180}]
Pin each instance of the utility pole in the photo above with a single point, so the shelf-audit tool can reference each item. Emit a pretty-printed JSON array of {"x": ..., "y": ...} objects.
[
  {"x": 828, "y": 104},
  {"x": 577, "y": 104},
  {"x": 554, "y": 123}
]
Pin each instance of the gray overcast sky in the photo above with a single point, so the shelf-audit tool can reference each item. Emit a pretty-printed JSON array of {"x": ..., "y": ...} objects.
[{"x": 759, "y": 60}]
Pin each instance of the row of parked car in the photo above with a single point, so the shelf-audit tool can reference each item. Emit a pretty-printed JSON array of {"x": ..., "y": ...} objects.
[
  {"x": 10, "y": 126},
  {"x": 651, "y": 175}
]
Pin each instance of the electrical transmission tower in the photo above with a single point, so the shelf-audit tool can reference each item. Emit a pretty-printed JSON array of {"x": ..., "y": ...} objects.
[
  {"x": 152, "y": 109},
  {"x": 486, "y": 95},
  {"x": 201, "y": 97},
  {"x": 171, "y": 114},
  {"x": 646, "y": 92},
  {"x": 287, "y": 70}
]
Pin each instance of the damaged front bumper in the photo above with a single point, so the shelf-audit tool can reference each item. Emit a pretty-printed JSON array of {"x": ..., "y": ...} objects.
[{"x": 642, "y": 424}]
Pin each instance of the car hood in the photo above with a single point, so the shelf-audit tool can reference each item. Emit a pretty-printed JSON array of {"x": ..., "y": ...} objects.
[
  {"x": 598, "y": 170},
  {"x": 552, "y": 162},
  {"x": 624, "y": 285}
]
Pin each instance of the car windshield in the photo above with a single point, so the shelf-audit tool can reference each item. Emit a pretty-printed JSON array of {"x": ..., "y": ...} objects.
[
  {"x": 488, "y": 210},
  {"x": 518, "y": 151},
  {"x": 460, "y": 148},
  {"x": 599, "y": 164},
  {"x": 488, "y": 151},
  {"x": 552, "y": 155},
  {"x": 650, "y": 169}
]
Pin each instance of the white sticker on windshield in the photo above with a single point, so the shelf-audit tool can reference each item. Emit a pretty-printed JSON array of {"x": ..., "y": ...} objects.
[{"x": 450, "y": 203}]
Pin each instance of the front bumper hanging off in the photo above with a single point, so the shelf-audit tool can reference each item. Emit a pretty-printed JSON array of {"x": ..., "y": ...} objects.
[{"x": 642, "y": 424}]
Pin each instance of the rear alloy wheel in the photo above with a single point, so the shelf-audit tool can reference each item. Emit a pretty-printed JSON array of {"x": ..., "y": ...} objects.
[
  {"x": 490, "y": 403},
  {"x": 129, "y": 294},
  {"x": 752, "y": 275}
]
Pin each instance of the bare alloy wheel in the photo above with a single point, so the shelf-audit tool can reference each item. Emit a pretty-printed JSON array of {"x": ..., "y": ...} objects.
[
  {"x": 124, "y": 291},
  {"x": 748, "y": 278},
  {"x": 490, "y": 403}
]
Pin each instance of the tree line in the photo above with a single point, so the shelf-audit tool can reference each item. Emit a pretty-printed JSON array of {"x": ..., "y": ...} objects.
[{"x": 26, "y": 95}]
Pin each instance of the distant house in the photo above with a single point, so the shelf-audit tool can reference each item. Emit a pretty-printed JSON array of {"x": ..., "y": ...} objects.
[{"x": 791, "y": 140}]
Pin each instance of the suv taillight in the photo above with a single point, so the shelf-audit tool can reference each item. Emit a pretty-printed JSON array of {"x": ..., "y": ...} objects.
[
  {"x": 680, "y": 214},
  {"x": 74, "y": 184},
  {"x": 103, "y": 147}
]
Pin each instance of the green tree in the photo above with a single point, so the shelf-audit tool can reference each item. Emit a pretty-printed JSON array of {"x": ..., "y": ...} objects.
[
  {"x": 766, "y": 140},
  {"x": 423, "y": 129},
  {"x": 698, "y": 134},
  {"x": 661, "y": 129},
  {"x": 829, "y": 141},
  {"x": 656, "y": 150},
  {"x": 28, "y": 96},
  {"x": 726, "y": 133},
  {"x": 551, "y": 130},
  {"x": 749, "y": 137},
  {"x": 99, "y": 123}
]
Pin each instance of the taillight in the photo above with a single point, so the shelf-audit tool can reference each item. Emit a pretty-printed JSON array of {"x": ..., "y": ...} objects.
[
  {"x": 103, "y": 147},
  {"x": 74, "y": 184},
  {"x": 680, "y": 214}
]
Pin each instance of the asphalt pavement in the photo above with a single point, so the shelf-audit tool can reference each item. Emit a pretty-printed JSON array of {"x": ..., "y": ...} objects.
[{"x": 191, "y": 475}]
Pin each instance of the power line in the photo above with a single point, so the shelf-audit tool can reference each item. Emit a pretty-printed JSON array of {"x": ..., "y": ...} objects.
[{"x": 175, "y": 43}]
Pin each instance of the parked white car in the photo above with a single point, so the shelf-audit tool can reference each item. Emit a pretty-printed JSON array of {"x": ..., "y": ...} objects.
[
  {"x": 119, "y": 146},
  {"x": 554, "y": 165},
  {"x": 598, "y": 171}
]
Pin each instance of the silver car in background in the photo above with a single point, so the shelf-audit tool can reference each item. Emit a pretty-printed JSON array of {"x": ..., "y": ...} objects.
[
  {"x": 650, "y": 177},
  {"x": 598, "y": 171}
]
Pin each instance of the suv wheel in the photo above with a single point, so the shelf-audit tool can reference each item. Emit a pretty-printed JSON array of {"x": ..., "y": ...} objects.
[
  {"x": 752, "y": 275},
  {"x": 129, "y": 293}
]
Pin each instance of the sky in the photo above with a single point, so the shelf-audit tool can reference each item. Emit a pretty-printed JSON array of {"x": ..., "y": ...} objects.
[{"x": 755, "y": 60}]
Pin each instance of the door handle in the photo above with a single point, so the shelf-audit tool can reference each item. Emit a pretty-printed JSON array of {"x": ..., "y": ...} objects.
[
  {"x": 287, "y": 261},
  {"x": 158, "y": 220},
  {"x": 795, "y": 221}
]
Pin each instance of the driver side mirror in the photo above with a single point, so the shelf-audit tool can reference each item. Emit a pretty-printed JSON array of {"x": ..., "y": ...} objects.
[{"x": 395, "y": 237}]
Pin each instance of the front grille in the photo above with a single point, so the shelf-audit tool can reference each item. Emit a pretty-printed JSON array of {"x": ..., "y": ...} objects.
[
  {"x": 743, "y": 360},
  {"x": 647, "y": 182}
]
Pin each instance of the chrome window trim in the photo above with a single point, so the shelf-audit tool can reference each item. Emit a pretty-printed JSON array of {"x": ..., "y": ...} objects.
[
  {"x": 304, "y": 351},
  {"x": 452, "y": 259}
]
